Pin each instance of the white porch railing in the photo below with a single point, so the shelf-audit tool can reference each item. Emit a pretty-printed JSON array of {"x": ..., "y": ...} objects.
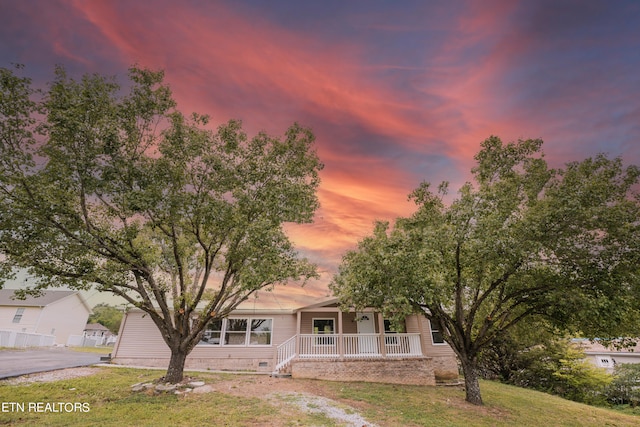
[
  {"x": 401, "y": 345},
  {"x": 354, "y": 346},
  {"x": 318, "y": 345},
  {"x": 361, "y": 345},
  {"x": 286, "y": 353}
]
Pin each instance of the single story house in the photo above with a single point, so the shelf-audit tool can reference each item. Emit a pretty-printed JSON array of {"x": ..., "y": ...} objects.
[
  {"x": 608, "y": 358},
  {"x": 51, "y": 318},
  {"x": 315, "y": 340}
]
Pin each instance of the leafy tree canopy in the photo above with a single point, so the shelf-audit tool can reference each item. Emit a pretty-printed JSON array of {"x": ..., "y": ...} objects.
[
  {"x": 521, "y": 239},
  {"x": 108, "y": 316},
  {"x": 118, "y": 189}
]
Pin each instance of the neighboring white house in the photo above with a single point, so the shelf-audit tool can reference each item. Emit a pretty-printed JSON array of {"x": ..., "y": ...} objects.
[
  {"x": 55, "y": 313},
  {"x": 99, "y": 334},
  {"x": 316, "y": 340},
  {"x": 608, "y": 358}
]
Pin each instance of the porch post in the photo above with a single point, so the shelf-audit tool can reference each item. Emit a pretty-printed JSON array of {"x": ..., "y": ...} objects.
[
  {"x": 298, "y": 322},
  {"x": 383, "y": 346},
  {"x": 423, "y": 337},
  {"x": 340, "y": 344}
]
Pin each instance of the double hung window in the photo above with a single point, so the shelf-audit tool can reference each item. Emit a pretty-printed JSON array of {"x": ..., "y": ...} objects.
[
  {"x": 436, "y": 334},
  {"x": 18, "y": 316},
  {"x": 389, "y": 330},
  {"x": 324, "y": 327},
  {"x": 238, "y": 331}
]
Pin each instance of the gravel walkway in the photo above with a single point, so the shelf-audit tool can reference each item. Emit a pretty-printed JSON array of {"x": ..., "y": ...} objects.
[
  {"x": 46, "y": 377},
  {"x": 313, "y": 404}
]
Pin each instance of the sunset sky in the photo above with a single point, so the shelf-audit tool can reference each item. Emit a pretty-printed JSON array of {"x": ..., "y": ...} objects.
[{"x": 396, "y": 92}]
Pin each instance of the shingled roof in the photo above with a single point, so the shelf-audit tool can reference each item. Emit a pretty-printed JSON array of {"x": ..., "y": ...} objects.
[{"x": 7, "y": 297}]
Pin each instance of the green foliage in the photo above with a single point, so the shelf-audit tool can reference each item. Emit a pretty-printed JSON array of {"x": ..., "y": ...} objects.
[
  {"x": 108, "y": 316},
  {"x": 120, "y": 190},
  {"x": 521, "y": 240},
  {"x": 578, "y": 379},
  {"x": 537, "y": 357},
  {"x": 625, "y": 387},
  {"x": 511, "y": 353}
]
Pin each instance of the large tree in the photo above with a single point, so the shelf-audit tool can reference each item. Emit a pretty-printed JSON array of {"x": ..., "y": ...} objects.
[
  {"x": 116, "y": 189},
  {"x": 521, "y": 240}
]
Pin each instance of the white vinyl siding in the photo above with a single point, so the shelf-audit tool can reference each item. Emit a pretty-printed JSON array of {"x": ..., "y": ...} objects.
[{"x": 140, "y": 342}]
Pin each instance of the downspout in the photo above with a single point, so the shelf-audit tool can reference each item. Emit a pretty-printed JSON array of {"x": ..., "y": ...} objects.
[{"x": 35, "y": 330}]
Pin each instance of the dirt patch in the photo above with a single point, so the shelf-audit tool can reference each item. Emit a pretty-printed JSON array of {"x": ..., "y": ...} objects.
[{"x": 263, "y": 385}]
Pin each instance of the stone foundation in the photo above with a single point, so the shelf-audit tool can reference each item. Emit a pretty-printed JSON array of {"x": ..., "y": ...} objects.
[
  {"x": 414, "y": 371},
  {"x": 445, "y": 368}
]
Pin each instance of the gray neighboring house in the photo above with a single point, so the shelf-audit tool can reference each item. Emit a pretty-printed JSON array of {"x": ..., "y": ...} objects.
[
  {"x": 608, "y": 358},
  {"x": 310, "y": 340},
  {"x": 57, "y": 314}
]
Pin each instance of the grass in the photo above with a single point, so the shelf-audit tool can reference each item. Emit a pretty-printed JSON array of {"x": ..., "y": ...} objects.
[
  {"x": 111, "y": 402},
  {"x": 98, "y": 350},
  {"x": 504, "y": 406}
]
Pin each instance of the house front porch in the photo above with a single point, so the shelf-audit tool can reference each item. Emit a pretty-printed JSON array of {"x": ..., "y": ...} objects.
[
  {"x": 388, "y": 358},
  {"x": 357, "y": 346},
  {"x": 348, "y": 346}
]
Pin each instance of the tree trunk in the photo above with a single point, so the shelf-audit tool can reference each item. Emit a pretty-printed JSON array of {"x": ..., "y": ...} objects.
[
  {"x": 471, "y": 384},
  {"x": 175, "y": 372}
]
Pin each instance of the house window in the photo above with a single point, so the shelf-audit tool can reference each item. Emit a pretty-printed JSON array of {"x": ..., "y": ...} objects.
[
  {"x": 604, "y": 361},
  {"x": 238, "y": 331},
  {"x": 212, "y": 333},
  {"x": 324, "y": 327},
  {"x": 390, "y": 328},
  {"x": 436, "y": 335},
  {"x": 18, "y": 316},
  {"x": 260, "y": 333}
]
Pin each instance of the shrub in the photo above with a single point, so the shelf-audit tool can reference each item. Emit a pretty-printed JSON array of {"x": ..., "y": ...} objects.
[
  {"x": 546, "y": 363},
  {"x": 625, "y": 387}
]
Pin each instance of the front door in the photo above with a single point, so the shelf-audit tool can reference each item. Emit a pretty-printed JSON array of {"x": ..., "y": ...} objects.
[{"x": 367, "y": 344}]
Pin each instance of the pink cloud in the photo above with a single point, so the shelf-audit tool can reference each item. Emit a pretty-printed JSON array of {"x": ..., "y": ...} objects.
[
  {"x": 223, "y": 51},
  {"x": 228, "y": 57}
]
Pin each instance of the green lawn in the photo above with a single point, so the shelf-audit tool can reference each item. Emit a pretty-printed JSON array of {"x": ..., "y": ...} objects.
[
  {"x": 111, "y": 402},
  {"x": 99, "y": 350}
]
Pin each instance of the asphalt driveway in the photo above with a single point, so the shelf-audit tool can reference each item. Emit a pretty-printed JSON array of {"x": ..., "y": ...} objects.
[{"x": 14, "y": 363}]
